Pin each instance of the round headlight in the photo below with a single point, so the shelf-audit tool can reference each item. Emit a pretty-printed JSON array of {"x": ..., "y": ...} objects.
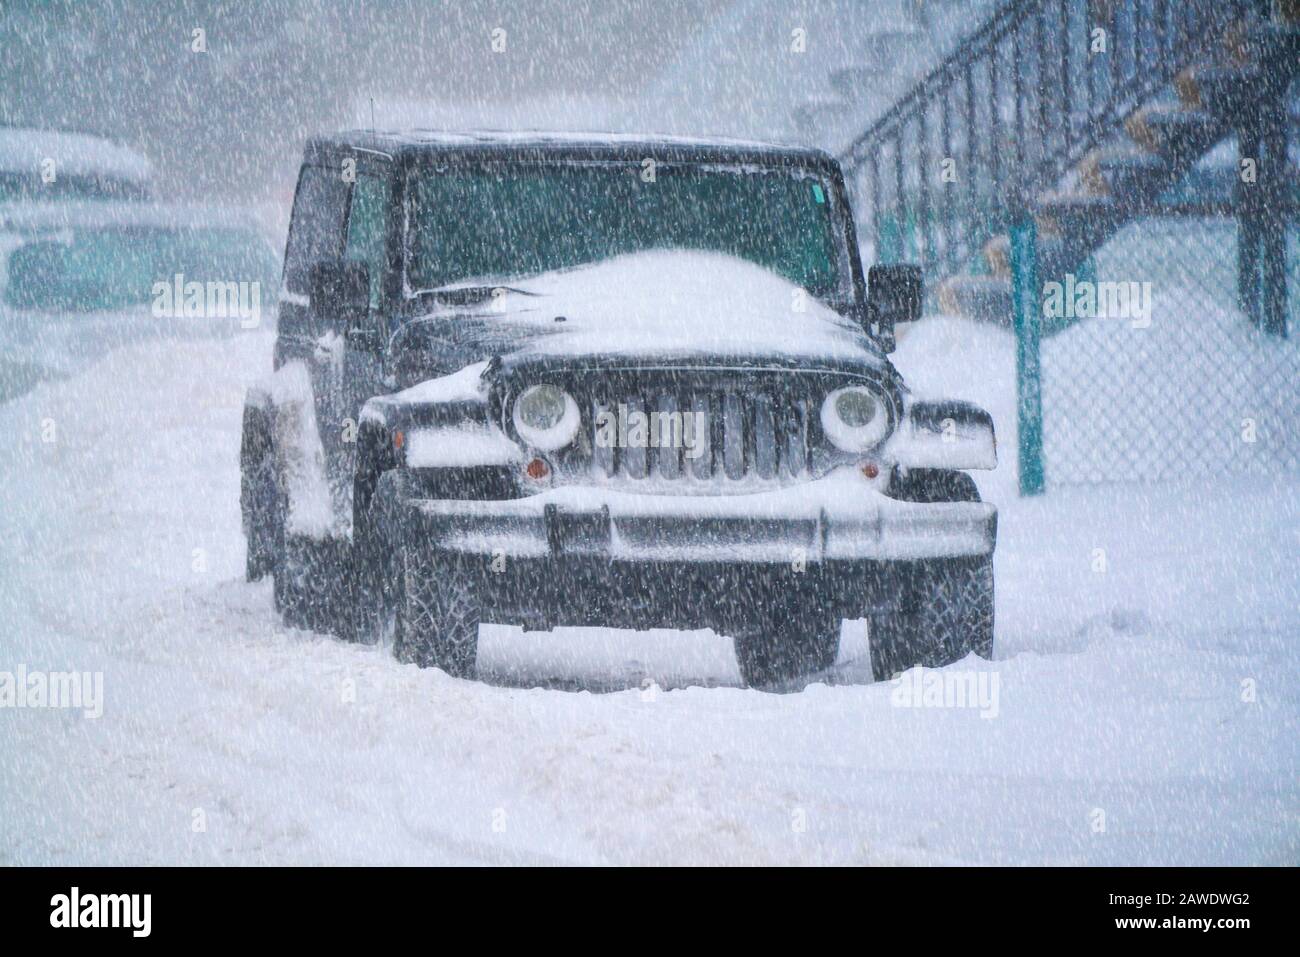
[
  {"x": 855, "y": 419},
  {"x": 546, "y": 417}
]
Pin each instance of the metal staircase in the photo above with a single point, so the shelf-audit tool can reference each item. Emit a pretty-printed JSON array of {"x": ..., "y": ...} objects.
[{"x": 1084, "y": 115}]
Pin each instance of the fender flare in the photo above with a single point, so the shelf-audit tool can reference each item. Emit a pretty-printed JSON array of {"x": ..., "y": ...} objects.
[{"x": 375, "y": 456}]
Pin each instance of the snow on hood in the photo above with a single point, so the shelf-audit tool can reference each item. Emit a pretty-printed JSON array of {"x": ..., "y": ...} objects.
[
  {"x": 669, "y": 303},
  {"x": 467, "y": 385}
]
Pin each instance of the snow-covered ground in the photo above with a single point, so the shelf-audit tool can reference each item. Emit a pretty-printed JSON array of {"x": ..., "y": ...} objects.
[{"x": 1146, "y": 678}]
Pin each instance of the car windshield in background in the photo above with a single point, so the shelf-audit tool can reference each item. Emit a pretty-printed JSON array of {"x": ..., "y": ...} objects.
[
  {"x": 115, "y": 268},
  {"x": 30, "y": 188},
  {"x": 495, "y": 222}
]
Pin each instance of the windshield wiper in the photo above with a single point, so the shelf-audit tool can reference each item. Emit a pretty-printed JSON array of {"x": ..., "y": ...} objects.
[{"x": 469, "y": 295}]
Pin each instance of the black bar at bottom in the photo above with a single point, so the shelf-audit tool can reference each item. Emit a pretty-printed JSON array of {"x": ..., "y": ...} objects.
[{"x": 339, "y": 907}]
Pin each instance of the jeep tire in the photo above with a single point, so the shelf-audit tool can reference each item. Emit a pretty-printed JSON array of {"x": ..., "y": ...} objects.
[
  {"x": 377, "y": 538},
  {"x": 437, "y": 614},
  {"x": 783, "y": 650},
  {"x": 945, "y": 612},
  {"x": 310, "y": 583}
]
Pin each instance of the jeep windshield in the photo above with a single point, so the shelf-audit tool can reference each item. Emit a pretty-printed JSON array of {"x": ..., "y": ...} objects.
[{"x": 490, "y": 222}]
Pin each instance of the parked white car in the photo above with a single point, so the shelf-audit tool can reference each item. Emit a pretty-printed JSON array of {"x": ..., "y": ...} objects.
[{"x": 80, "y": 278}]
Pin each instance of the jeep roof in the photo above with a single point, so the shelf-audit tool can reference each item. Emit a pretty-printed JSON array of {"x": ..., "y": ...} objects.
[{"x": 406, "y": 144}]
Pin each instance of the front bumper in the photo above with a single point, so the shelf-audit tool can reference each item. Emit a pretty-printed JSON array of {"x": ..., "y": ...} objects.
[{"x": 841, "y": 517}]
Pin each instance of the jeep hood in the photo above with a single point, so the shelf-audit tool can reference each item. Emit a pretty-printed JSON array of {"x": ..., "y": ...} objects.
[{"x": 663, "y": 304}]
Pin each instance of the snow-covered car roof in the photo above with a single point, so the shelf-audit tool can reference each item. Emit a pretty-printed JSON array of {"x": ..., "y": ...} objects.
[
  {"x": 23, "y": 150},
  {"x": 394, "y": 142}
]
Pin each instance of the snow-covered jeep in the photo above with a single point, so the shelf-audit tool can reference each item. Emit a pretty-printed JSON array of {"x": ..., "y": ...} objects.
[{"x": 553, "y": 380}]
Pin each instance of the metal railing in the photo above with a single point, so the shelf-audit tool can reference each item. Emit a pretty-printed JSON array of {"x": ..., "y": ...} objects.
[{"x": 1025, "y": 98}]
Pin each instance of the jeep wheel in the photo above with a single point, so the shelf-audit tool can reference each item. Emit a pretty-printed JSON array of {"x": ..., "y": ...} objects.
[
  {"x": 377, "y": 537},
  {"x": 946, "y": 613},
  {"x": 263, "y": 530},
  {"x": 260, "y": 500},
  {"x": 437, "y": 615},
  {"x": 310, "y": 583},
  {"x": 785, "y": 650}
]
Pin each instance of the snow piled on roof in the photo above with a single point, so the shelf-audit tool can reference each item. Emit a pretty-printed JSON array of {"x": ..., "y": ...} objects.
[
  {"x": 532, "y": 137},
  {"x": 23, "y": 150}
]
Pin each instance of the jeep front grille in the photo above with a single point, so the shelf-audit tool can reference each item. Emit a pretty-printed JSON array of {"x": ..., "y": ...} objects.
[{"x": 741, "y": 435}]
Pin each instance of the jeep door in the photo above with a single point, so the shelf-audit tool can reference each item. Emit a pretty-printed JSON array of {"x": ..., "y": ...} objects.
[
  {"x": 316, "y": 235},
  {"x": 317, "y": 232},
  {"x": 340, "y": 213},
  {"x": 367, "y": 242}
]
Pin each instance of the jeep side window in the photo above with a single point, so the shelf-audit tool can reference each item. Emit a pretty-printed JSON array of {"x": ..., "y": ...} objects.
[
  {"x": 368, "y": 230},
  {"x": 316, "y": 230}
]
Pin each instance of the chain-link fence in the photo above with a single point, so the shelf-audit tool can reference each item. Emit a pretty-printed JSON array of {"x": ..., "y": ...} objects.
[
  {"x": 1087, "y": 172},
  {"x": 1179, "y": 382}
]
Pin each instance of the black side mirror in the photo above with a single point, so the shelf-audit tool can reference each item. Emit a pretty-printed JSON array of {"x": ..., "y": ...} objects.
[
  {"x": 339, "y": 294},
  {"x": 893, "y": 296}
]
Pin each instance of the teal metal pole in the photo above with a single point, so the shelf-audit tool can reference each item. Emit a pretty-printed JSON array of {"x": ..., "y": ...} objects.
[
  {"x": 890, "y": 246},
  {"x": 1027, "y": 319},
  {"x": 1086, "y": 271}
]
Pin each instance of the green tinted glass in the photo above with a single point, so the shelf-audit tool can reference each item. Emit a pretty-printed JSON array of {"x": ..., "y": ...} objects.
[
  {"x": 368, "y": 228},
  {"x": 118, "y": 267},
  {"x": 491, "y": 222}
]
